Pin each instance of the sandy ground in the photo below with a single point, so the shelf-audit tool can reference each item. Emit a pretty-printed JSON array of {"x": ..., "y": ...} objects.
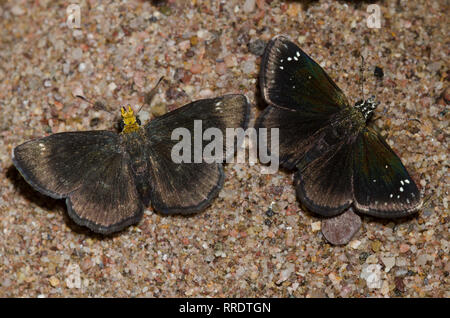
[{"x": 237, "y": 247}]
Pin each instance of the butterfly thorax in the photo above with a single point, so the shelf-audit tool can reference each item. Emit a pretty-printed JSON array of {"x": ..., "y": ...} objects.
[
  {"x": 347, "y": 124},
  {"x": 130, "y": 122},
  {"x": 367, "y": 107}
]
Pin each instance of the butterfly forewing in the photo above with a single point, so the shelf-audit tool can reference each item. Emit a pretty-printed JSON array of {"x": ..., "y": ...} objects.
[
  {"x": 297, "y": 133},
  {"x": 381, "y": 184},
  {"x": 190, "y": 187},
  {"x": 89, "y": 170},
  {"x": 57, "y": 164},
  {"x": 290, "y": 79}
]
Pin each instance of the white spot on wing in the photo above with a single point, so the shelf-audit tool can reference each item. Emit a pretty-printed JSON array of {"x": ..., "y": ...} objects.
[
  {"x": 281, "y": 68},
  {"x": 401, "y": 189}
]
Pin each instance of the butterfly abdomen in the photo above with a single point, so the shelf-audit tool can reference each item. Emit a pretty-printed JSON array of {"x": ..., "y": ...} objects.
[{"x": 138, "y": 161}]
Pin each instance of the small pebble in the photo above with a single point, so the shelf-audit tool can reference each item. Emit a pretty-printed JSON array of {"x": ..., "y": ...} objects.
[
  {"x": 53, "y": 281},
  {"x": 315, "y": 226},
  {"x": 372, "y": 275},
  {"x": 404, "y": 248},
  {"x": 249, "y": 6},
  {"x": 422, "y": 259},
  {"x": 77, "y": 53},
  {"x": 112, "y": 86},
  {"x": 257, "y": 47},
  {"x": 230, "y": 61},
  {"x": 17, "y": 10},
  {"x": 81, "y": 67},
  {"x": 376, "y": 246},
  {"x": 221, "y": 68},
  {"x": 355, "y": 244},
  {"x": 286, "y": 273},
  {"x": 388, "y": 262},
  {"x": 248, "y": 67},
  {"x": 196, "y": 68}
]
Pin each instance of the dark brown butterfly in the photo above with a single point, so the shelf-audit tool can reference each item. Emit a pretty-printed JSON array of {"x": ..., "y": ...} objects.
[
  {"x": 339, "y": 159},
  {"x": 107, "y": 178}
]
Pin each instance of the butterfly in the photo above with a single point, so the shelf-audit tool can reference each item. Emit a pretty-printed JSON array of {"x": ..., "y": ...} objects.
[
  {"x": 339, "y": 159},
  {"x": 108, "y": 178}
]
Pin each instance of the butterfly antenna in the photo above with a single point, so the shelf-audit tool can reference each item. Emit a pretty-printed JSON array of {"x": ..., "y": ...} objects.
[
  {"x": 149, "y": 96},
  {"x": 97, "y": 105}
]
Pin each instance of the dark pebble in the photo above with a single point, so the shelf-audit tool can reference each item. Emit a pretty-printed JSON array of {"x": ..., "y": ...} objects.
[
  {"x": 378, "y": 72},
  {"x": 270, "y": 212},
  {"x": 190, "y": 53},
  {"x": 94, "y": 122},
  {"x": 363, "y": 256},
  {"x": 180, "y": 73},
  {"x": 399, "y": 284}
]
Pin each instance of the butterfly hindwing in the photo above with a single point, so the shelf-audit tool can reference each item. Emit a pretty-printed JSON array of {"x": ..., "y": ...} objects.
[
  {"x": 89, "y": 170},
  {"x": 107, "y": 201},
  {"x": 290, "y": 79},
  {"x": 323, "y": 179},
  {"x": 381, "y": 184},
  {"x": 190, "y": 187}
]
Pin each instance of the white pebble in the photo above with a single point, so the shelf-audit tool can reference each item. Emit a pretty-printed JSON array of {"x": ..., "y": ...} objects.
[
  {"x": 249, "y": 6},
  {"x": 372, "y": 275}
]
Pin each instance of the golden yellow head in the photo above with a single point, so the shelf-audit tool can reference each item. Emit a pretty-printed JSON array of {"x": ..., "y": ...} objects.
[{"x": 129, "y": 120}]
